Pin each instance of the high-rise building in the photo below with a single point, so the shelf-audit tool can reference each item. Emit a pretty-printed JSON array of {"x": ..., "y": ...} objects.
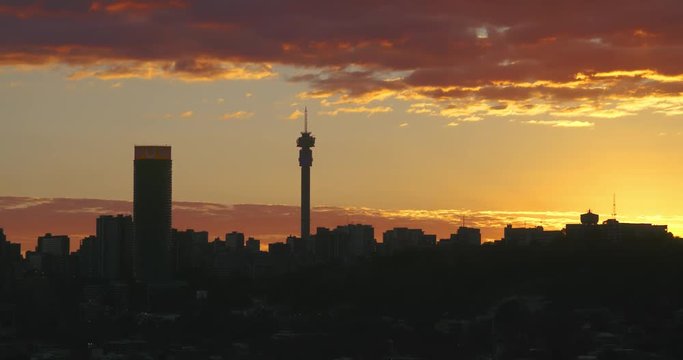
[
  {"x": 115, "y": 235},
  {"x": 399, "y": 239},
  {"x": 57, "y": 245},
  {"x": 152, "y": 212},
  {"x": 612, "y": 231},
  {"x": 190, "y": 250},
  {"x": 89, "y": 258},
  {"x": 306, "y": 141},
  {"x": 465, "y": 236},
  {"x": 345, "y": 243},
  {"x": 234, "y": 241},
  {"x": 359, "y": 240},
  {"x": 278, "y": 249},
  {"x": 253, "y": 246},
  {"x": 10, "y": 254},
  {"x": 530, "y": 236},
  {"x": 52, "y": 254}
]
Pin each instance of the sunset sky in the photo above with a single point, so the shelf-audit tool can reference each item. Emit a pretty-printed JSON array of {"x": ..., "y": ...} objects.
[{"x": 423, "y": 110}]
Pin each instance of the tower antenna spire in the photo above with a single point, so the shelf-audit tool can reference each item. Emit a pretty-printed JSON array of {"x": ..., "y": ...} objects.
[
  {"x": 305, "y": 142},
  {"x": 305, "y": 118},
  {"x": 614, "y": 205}
]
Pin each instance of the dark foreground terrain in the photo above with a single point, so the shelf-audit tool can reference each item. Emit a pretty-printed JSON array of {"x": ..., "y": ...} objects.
[{"x": 622, "y": 301}]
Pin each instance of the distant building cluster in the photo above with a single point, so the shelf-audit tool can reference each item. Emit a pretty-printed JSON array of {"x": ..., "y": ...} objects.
[
  {"x": 111, "y": 253},
  {"x": 145, "y": 248},
  {"x": 589, "y": 232}
]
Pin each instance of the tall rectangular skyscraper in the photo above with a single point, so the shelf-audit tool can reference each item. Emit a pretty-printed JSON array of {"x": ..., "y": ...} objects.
[{"x": 152, "y": 212}]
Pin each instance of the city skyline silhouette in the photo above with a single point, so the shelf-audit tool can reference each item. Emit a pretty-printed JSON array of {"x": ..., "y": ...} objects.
[
  {"x": 153, "y": 153},
  {"x": 305, "y": 142},
  {"x": 446, "y": 226}
]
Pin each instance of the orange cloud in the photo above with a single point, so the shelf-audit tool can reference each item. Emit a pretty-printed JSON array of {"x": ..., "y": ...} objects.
[
  {"x": 295, "y": 115},
  {"x": 237, "y": 115},
  {"x": 136, "y": 5},
  {"x": 76, "y": 217},
  {"x": 187, "y": 70},
  {"x": 562, "y": 123},
  {"x": 359, "y": 109}
]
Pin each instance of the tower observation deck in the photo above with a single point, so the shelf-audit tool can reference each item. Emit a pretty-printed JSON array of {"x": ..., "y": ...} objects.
[{"x": 306, "y": 141}]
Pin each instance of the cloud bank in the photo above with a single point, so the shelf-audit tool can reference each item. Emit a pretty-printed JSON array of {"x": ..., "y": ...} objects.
[
  {"x": 589, "y": 59},
  {"x": 24, "y": 219}
]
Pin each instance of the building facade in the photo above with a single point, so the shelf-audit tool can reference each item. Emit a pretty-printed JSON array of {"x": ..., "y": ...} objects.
[
  {"x": 116, "y": 246},
  {"x": 152, "y": 212}
]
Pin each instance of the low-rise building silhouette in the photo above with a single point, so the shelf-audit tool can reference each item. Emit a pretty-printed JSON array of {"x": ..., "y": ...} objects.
[
  {"x": 116, "y": 238},
  {"x": 253, "y": 246},
  {"x": 298, "y": 246},
  {"x": 530, "y": 236},
  {"x": 357, "y": 240},
  {"x": 89, "y": 259},
  {"x": 10, "y": 259},
  {"x": 190, "y": 250},
  {"x": 465, "y": 236},
  {"x": 234, "y": 241},
  {"x": 278, "y": 249},
  {"x": 57, "y": 245},
  {"x": 9, "y": 252},
  {"x": 51, "y": 256},
  {"x": 399, "y": 239},
  {"x": 589, "y": 231}
]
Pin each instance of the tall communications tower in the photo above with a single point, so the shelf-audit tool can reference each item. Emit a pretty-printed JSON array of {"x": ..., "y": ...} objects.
[{"x": 305, "y": 142}]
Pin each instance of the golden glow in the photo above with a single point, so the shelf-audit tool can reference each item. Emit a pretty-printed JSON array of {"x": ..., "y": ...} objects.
[
  {"x": 379, "y": 95},
  {"x": 296, "y": 114},
  {"x": 359, "y": 109},
  {"x": 237, "y": 115},
  {"x": 640, "y": 33},
  {"x": 561, "y": 123}
]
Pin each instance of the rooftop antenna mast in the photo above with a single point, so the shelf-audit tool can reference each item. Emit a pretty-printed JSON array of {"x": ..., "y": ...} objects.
[{"x": 614, "y": 206}]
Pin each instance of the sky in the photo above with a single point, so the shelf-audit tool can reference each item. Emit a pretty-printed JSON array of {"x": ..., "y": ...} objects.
[{"x": 444, "y": 108}]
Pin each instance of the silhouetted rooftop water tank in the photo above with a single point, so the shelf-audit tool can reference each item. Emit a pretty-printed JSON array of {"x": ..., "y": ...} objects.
[{"x": 589, "y": 218}]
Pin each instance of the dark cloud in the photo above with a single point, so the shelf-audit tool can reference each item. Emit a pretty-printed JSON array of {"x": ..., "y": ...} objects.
[
  {"x": 436, "y": 43},
  {"x": 355, "y": 83}
]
